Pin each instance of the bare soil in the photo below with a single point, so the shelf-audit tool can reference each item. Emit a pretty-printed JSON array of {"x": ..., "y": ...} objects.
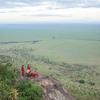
[{"x": 53, "y": 90}]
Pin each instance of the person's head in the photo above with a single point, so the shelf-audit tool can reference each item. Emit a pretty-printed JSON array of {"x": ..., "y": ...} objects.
[
  {"x": 22, "y": 65},
  {"x": 28, "y": 66}
]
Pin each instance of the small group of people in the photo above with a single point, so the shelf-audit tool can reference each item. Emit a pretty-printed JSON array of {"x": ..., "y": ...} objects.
[{"x": 28, "y": 73}]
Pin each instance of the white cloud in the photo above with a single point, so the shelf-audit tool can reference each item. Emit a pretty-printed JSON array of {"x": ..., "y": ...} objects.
[
  {"x": 48, "y": 11},
  {"x": 17, "y": 3},
  {"x": 64, "y": 3}
]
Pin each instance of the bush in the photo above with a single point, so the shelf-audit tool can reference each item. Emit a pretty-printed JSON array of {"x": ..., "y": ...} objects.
[
  {"x": 81, "y": 81},
  {"x": 29, "y": 90},
  {"x": 92, "y": 83},
  {"x": 4, "y": 91},
  {"x": 10, "y": 89},
  {"x": 7, "y": 80}
]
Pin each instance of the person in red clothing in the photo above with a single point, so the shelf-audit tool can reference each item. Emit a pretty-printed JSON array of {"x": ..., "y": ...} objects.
[
  {"x": 35, "y": 74},
  {"x": 28, "y": 67},
  {"x": 28, "y": 71},
  {"x": 22, "y": 71}
]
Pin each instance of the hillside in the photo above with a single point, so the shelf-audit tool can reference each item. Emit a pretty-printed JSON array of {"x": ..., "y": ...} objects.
[
  {"x": 11, "y": 88},
  {"x": 42, "y": 88},
  {"x": 81, "y": 80}
]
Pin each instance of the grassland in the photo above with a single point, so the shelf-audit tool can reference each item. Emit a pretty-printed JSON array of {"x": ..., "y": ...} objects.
[{"x": 75, "y": 63}]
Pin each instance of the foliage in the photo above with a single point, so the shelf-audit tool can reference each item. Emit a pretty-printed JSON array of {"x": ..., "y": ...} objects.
[
  {"x": 83, "y": 92},
  {"x": 81, "y": 81},
  {"x": 84, "y": 78},
  {"x": 13, "y": 94},
  {"x": 29, "y": 90},
  {"x": 12, "y": 89},
  {"x": 7, "y": 81},
  {"x": 4, "y": 91}
]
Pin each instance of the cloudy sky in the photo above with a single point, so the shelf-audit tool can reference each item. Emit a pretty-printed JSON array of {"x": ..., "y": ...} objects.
[{"x": 26, "y": 11}]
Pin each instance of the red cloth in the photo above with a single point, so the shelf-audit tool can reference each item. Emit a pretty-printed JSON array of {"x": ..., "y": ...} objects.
[
  {"x": 35, "y": 74},
  {"x": 22, "y": 70}
]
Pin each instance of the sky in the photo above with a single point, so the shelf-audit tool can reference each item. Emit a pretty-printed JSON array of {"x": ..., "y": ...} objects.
[{"x": 33, "y": 11}]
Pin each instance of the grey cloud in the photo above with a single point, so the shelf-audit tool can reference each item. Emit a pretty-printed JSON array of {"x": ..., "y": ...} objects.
[
  {"x": 14, "y": 3},
  {"x": 62, "y": 3},
  {"x": 79, "y": 3}
]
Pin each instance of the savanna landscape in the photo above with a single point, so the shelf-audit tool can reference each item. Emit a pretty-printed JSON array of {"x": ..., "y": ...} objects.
[{"x": 68, "y": 53}]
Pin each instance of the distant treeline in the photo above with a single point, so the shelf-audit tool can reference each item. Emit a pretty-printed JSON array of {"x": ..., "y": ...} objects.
[{"x": 11, "y": 42}]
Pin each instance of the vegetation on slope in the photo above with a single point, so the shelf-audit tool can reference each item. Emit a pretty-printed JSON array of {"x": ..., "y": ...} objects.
[
  {"x": 81, "y": 80},
  {"x": 13, "y": 89}
]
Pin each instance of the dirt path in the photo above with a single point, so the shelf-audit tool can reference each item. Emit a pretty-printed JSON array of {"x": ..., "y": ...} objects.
[{"x": 53, "y": 90}]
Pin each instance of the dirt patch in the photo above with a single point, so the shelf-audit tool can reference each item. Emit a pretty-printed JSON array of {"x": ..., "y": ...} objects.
[{"x": 53, "y": 90}]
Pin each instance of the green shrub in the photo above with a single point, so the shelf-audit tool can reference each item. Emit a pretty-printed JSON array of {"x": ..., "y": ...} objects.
[
  {"x": 29, "y": 90},
  {"x": 22, "y": 90},
  {"x": 92, "y": 83},
  {"x": 7, "y": 80},
  {"x": 81, "y": 81},
  {"x": 4, "y": 91}
]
